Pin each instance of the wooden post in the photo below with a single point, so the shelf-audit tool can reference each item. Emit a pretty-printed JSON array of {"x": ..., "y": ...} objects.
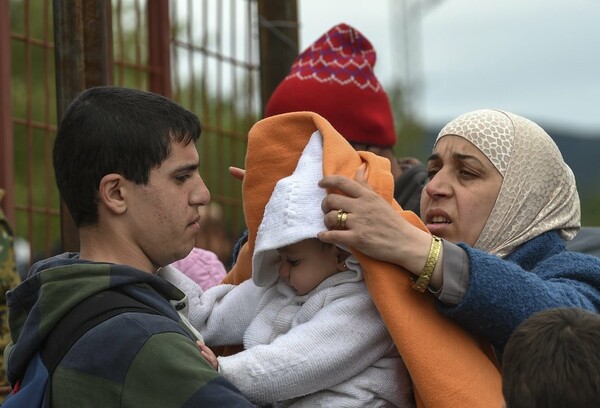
[
  {"x": 159, "y": 53},
  {"x": 83, "y": 58},
  {"x": 278, "y": 37}
]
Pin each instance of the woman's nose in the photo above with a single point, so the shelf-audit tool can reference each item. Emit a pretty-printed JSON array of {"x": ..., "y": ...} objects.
[{"x": 438, "y": 185}]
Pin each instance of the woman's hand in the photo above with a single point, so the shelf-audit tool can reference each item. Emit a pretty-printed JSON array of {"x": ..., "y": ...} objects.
[{"x": 372, "y": 225}]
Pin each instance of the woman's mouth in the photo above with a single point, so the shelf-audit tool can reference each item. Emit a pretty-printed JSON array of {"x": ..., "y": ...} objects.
[
  {"x": 437, "y": 222},
  {"x": 438, "y": 219}
]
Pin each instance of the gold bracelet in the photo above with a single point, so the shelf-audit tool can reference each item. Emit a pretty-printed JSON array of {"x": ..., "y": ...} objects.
[{"x": 421, "y": 283}]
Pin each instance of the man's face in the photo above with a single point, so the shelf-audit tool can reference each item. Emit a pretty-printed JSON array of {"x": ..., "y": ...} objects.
[{"x": 164, "y": 213}]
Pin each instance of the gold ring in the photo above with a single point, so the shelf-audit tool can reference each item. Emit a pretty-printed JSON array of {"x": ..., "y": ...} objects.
[{"x": 341, "y": 219}]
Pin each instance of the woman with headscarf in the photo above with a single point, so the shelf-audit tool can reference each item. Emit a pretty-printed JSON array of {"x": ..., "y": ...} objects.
[{"x": 503, "y": 202}]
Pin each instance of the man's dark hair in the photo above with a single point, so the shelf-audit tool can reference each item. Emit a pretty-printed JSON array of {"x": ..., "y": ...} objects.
[
  {"x": 115, "y": 130},
  {"x": 552, "y": 360}
]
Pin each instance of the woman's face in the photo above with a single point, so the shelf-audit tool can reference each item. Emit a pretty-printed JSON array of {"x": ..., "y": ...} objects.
[{"x": 463, "y": 187}]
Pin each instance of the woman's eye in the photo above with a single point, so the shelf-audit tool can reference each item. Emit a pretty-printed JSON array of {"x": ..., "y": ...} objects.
[{"x": 467, "y": 174}]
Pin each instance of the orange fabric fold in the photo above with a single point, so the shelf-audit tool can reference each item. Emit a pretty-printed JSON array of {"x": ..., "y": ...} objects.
[{"x": 448, "y": 366}]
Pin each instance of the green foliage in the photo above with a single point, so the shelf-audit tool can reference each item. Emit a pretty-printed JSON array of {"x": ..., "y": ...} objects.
[
  {"x": 590, "y": 216},
  {"x": 409, "y": 131},
  {"x": 37, "y": 201},
  {"x": 34, "y": 110},
  {"x": 222, "y": 144}
]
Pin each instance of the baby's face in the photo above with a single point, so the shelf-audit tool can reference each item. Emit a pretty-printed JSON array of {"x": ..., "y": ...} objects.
[{"x": 304, "y": 265}]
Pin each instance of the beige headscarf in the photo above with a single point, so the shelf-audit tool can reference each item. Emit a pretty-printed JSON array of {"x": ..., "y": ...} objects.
[{"x": 538, "y": 193}]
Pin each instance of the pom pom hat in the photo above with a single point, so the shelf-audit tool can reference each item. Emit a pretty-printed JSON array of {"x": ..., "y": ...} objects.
[{"x": 334, "y": 77}]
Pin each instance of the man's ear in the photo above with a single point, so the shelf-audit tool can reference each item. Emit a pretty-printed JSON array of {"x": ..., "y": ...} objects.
[{"x": 110, "y": 193}]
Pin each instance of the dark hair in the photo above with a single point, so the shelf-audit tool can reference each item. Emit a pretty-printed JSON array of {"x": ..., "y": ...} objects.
[
  {"x": 115, "y": 130},
  {"x": 552, "y": 360}
]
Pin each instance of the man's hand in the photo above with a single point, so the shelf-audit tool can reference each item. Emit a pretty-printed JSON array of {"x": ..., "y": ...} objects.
[{"x": 208, "y": 355}]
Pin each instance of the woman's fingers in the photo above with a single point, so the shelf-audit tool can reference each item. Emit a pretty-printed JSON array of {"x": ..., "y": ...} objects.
[
  {"x": 343, "y": 184},
  {"x": 360, "y": 218}
]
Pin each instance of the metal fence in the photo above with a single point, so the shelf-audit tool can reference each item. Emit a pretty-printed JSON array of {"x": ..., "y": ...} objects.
[{"x": 206, "y": 55}]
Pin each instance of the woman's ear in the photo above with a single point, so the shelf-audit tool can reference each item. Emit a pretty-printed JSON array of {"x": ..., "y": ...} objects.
[{"x": 110, "y": 193}]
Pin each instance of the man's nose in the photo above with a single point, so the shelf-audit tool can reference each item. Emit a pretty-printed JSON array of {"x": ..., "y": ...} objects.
[{"x": 200, "y": 194}]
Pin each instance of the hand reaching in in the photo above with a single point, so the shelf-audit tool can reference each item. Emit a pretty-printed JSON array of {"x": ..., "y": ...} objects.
[
  {"x": 208, "y": 354},
  {"x": 237, "y": 173}
]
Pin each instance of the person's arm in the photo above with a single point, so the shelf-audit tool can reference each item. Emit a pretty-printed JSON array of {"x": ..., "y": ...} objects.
[
  {"x": 340, "y": 341},
  {"x": 380, "y": 232},
  {"x": 222, "y": 313},
  {"x": 140, "y": 360},
  {"x": 454, "y": 273},
  {"x": 501, "y": 294},
  {"x": 169, "y": 371}
]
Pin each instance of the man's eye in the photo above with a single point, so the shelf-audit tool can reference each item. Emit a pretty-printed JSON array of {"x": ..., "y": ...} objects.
[{"x": 182, "y": 178}]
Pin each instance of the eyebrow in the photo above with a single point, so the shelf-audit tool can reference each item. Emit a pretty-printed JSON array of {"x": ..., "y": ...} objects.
[
  {"x": 434, "y": 156},
  {"x": 457, "y": 157},
  {"x": 187, "y": 167}
]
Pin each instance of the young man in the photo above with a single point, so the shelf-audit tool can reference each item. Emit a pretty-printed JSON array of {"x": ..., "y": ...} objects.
[
  {"x": 127, "y": 168},
  {"x": 552, "y": 360}
]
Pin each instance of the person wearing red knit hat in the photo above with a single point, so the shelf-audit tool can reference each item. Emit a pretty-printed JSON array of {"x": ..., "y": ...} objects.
[{"x": 335, "y": 78}]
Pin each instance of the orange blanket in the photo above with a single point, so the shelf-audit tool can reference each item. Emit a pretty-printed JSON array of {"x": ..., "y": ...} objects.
[{"x": 447, "y": 365}]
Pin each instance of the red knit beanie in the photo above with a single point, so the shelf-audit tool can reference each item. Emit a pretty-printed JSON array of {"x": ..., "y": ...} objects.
[{"x": 334, "y": 77}]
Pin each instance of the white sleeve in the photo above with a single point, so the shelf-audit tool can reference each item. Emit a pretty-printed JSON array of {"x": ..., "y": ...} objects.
[
  {"x": 222, "y": 313},
  {"x": 340, "y": 341}
]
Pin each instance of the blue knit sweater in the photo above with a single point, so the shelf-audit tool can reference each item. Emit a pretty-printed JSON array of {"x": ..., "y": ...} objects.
[{"x": 538, "y": 275}]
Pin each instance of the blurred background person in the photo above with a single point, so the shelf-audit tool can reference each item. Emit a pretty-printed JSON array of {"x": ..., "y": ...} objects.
[{"x": 9, "y": 279}]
